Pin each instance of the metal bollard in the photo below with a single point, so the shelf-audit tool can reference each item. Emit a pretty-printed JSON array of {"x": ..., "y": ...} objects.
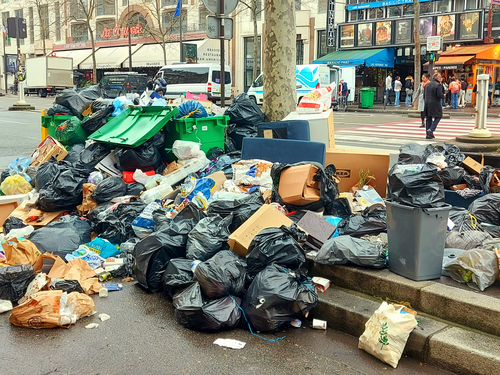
[{"x": 480, "y": 130}]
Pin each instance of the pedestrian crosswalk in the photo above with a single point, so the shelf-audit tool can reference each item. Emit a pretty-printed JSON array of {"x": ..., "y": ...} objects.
[{"x": 409, "y": 129}]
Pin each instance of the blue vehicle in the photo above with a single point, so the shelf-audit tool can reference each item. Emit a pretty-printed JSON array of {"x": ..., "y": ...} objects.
[{"x": 309, "y": 77}]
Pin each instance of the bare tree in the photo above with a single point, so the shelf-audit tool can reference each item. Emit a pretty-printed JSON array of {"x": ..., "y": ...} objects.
[
  {"x": 83, "y": 10},
  {"x": 255, "y": 8},
  {"x": 416, "y": 33},
  {"x": 279, "y": 59}
]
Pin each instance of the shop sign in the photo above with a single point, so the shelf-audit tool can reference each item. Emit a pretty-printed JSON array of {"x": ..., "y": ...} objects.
[
  {"x": 449, "y": 67},
  {"x": 487, "y": 61},
  {"x": 330, "y": 24},
  {"x": 118, "y": 31},
  {"x": 378, "y": 4}
]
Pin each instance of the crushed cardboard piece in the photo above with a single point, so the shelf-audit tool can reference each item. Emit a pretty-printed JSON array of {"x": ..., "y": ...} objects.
[
  {"x": 25, "y": 210},
  {"x": 297, "y": 185}
]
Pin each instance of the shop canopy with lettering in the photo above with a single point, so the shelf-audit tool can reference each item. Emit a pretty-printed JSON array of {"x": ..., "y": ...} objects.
[
  {"x": 452, "y": 62},
  {"x": 152, "y": 55},
  {"x": 78, "y": 55},
  {"x": 381, "y": 57},
  {"x": 109, "y": 57}
]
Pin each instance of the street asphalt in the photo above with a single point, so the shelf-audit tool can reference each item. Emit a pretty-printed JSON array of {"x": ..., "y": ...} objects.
[{"x": 143, "y": 337}]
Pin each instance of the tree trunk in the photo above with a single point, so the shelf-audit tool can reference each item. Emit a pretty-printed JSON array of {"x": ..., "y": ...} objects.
[
  {"x": 279, "y": 59},
  {"x": 255, "y": 40},
  {"x": 94, "y": 64},
  {"x": 42, "y": 27},
  {"x": 416, "y": 33},
  {"x": 164, "y": 47}
]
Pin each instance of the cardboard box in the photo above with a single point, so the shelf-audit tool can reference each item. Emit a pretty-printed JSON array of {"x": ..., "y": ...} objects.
[
  {"x": 321, "y": 283},
  {"x": 48, "y": 148},
  {"x": 473, "y": 166},
  {"x": 8, "y": 203},
  {"x": 265, "y": 217},
  {"x": 25, "y": 211},
  {"x": 297, "y": 185},
  {"x": 349, "y": 162}
]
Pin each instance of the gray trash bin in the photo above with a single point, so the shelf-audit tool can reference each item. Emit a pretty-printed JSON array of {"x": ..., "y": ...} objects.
[{"x": 416, "y": 239}]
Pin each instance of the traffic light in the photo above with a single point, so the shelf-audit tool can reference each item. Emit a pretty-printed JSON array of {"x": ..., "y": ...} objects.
[{"x": 431, "y": 56}]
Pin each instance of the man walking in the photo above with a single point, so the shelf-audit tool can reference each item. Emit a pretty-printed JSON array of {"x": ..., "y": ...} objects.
[
  {"x": 454, "y": 89},
  {"x": 433, "y": 94},
  {"x": 397, "y": 91},
  {"x": 461, "y": 95},
  {"x": 388, "y": 88}
]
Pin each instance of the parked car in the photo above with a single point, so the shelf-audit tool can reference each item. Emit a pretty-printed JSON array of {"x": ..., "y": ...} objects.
[{"x": 117, "y": 84}]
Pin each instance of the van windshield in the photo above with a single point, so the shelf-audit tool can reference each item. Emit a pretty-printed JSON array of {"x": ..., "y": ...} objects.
[
  {"x": 259, "y": 82},
  {"x": 216, "y": 77},
  {"x": 185, "y": 74}
]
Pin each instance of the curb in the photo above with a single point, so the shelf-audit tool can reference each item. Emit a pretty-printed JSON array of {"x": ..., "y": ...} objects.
[{"x": 435, "y": 342}]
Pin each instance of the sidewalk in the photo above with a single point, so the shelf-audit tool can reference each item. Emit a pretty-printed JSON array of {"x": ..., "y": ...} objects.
[{"x": 468, "y": 111}]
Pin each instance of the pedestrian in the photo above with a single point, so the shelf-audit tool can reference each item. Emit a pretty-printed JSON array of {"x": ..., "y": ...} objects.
[
  {"x": 397, "y": 91},
  {"x": 344, "y": 92},
  {"x": 409, "y": 90},
  {"x": 463, "y": 89},
  {"x": 418, "y": 97},
  {"x": 446, "y": 91},
  {"x": 454, "y": 89},
  {"x": 388, "y": 88},
  {"x": 433, "y": 94},
  {"x": 496, "y": 93},
  {"x": 490, "y": 92}
]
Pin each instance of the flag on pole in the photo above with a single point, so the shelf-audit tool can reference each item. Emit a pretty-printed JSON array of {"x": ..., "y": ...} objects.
[
  {"x": 4, "y": 30},
  {"x": 178, "y": 8}
]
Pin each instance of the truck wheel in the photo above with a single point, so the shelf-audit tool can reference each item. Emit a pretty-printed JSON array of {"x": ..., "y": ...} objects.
[
  {"x": 43, "y": 93},
  {"x": 254, "y": 99}
]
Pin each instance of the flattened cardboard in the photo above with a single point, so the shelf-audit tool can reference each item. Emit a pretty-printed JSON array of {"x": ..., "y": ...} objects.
[
  {"x": 349, "y": 162},
  {"x": 24, "y": 210},
  {"x": 265, "y": 217},
  {"x": 473, "y": 166},
  {"x": 297, "y": 185}
]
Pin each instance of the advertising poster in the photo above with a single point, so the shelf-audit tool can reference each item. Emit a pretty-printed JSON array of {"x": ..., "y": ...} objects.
[
  {"x": 383, "y": 33},
  {"x": 469, "y": 25},
  {"x": 403, "y": 32},
  {"x": 446, "y": 27},
  {"x": 347, "y": 36},
  {"x": 365, "y": 34},
  {"x": 425, "y": 28}
]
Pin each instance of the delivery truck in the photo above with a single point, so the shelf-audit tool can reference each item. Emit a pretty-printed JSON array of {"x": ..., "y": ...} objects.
[{"x": 47, "y": 75}]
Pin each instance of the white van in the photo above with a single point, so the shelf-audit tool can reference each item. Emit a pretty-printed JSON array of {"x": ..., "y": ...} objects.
[
  {"x": 309, "y": 77},
  {"x": 196, "y": 78}
]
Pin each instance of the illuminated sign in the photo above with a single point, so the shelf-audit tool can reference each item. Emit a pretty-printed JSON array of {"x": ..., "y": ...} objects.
[{"x": 118, "y": 31}]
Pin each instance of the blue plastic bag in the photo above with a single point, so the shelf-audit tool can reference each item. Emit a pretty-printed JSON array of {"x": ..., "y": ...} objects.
[
  {"x": 121, "y": 105},
  {"x": 20, "y": 164},
  {"x": 104, "y": 248},
  {"x": 192, "y": 109}
]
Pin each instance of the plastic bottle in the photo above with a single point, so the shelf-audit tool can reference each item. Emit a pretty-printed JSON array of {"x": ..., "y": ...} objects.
[{"x": 159, "y": 192}]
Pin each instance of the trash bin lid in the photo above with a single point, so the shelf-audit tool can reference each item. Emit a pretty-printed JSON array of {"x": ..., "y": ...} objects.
[{"x": 134, "y": 126}]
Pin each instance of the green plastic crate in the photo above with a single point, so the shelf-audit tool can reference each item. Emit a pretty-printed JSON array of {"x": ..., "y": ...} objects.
[{"x": 209, "y": 131}]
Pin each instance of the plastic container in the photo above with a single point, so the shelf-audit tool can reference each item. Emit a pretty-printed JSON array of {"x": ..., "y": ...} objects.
[
  {"x": 159, "y": 192},
  {"x": 209, "y": 131},
  {"x": 189, "y": 166},
  {"x": 52, "y": 122},
  {"x": 416, "y": 240},
  {"x": 453, "y": 198},
  {"x": 366, "y": 97}
]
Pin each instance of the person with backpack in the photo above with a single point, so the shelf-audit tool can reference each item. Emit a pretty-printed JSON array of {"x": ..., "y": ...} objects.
[
  {"x": 409, "y": 90},
  {"x": 454, "y": 89},
  {"x": 461, "y": 95}
]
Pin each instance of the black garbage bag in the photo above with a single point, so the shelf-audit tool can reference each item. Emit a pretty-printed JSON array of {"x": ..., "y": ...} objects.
[
  {"x": 64, "y": 190},
  {"x": 208, "y": 237},
  {"x": 412, "y": 153},
  {"x": 177, "y": 276},
  {"x": 485, "y": 177},
  {"x": 238, "y": 132},
  {"x": 350, "y": 250},
  {"x": 452, "y": 176},
  {"x": 74, "y": 153},
  {"x": 72, "y": 100},
  {"x": 150, "y": 261},
  {"x": 214, "y": 153},
  {"x": 242, "y": 208},
  {"x": 135, "y": 189},
  {"x": 125, "y": 269},
  {"x": 4, "y": 175},
  {"x": 244, "y": 111},
  {"x": 108, "y": 189},
  {"x": 174, "y": 234},
  {"x": 145, "y": 157},
  {"x": 487, "y": 209},
  {"x": 193, "y": 311},
  {"x": 68, "y": 286},
  {"x": 46, "y": 173},
  {"x": 373, "y": 220},
  {"x": 14, "y": 281},
  {"x": 12, "y": 223},
  {"x": 58, "y": 109},
  {"x": 100, "y": 104},
  {"x": 340, "y": 207},
  {"x": 91, "y": 92},
  {"x": 222, "y": 275},
  {"x": 116, "y": 225},
  {"x": 329, "y": 189},
  {"x": 473, "y": 182},
  {"x": 93, "y": 154},
  {"x": 96, "y": 120},
  {"x": 276, "y": 297},
  {"x": 453, "y": 156},
  {"x": 466, "y": 239},
  {"x": 457, "y": 215},
  {"x": 62, "y": 237},
  {"x": 423, "y": 189},
  {"x": 276, "y": 245}
]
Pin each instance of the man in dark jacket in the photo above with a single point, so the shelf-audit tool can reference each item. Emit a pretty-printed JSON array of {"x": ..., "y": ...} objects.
[{"x": 433, "y": 93}]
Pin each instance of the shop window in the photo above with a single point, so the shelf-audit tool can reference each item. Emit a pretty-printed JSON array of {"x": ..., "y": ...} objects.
[
  {"x": 105, "y": 7},
  {"x": 322, "y": 6},
  {"x": 300, "y": 52},
  {"x": 426, "y": 8},
  {"x": 471, "y": 4},
  {"x": 442, "y": 6},
  {"x": 376, "y": 13},
  {"x": 356, "y": 15},
  {"x": 44, "y": 22},
  {"x": 408, "y": 10},
  {"x": 79, "y": 33},
  {"x": 100, "y": 26},
  {"x": 323, "y": 49},
  {"x": 249, "y": 61},
  {"x": 495, "y": 20},
  {"x": 395, "y": 11},
  {"x": 459, "y": 5}
]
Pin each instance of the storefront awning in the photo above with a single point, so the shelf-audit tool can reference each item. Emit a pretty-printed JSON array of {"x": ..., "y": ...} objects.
[
  {"x": 467, "y": 50},
  {"x": 152, "y": 55},
  {"x": 383, "y": 58},
  {"x": 108, "y": 58},
  {"x": 78, "y": 55},
  {"x": 452, "y": 62}
]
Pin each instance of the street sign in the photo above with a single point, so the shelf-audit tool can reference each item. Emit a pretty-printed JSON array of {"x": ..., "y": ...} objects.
[
  {"x": 434, "y": 43},
  {"x": 213, "y": 28},
  {"x": 214, "y": 6}
]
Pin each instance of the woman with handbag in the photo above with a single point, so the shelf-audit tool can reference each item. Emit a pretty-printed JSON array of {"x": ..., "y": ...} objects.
[
  {"x": 409, "y": 90},
  {"x": 496, "y": 93},
  {"x": 418, "y": 97}
]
